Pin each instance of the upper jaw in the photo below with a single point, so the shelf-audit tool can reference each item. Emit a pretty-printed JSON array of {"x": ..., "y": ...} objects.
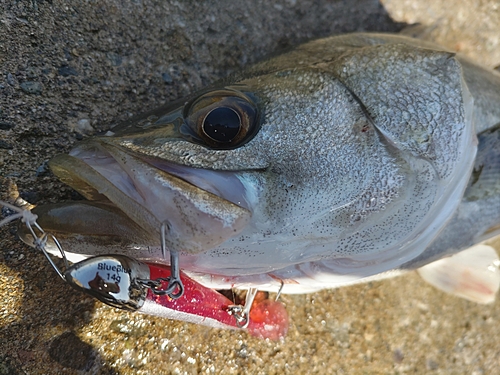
[{"x": 201, "y": 208}]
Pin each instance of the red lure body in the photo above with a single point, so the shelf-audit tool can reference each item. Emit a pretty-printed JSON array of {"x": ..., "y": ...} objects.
[{"x": 268, "y": 318}]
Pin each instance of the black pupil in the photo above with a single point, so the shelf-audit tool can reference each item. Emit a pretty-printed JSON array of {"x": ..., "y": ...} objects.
[{"x": 222, "y": 124}]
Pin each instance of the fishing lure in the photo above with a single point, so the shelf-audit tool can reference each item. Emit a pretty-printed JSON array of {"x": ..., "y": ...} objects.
[{"x": 126, "y": 283}]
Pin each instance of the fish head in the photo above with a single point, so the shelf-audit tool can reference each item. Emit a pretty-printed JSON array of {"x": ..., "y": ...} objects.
[{"x": 357, "y": 162}]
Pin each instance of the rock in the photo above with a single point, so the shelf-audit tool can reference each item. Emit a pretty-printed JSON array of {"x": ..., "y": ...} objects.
[
  {"x": 116, "y": 60},
  {"x": 67, "y": 71},
  {"x": 167, "y": 78},
  {"x": 29, "y": 196},
  {"x": 5, "y": 145},
  {"x": 6, "y": 125},
  {"x": 10, "y": 79},
  {"x": 42, "y": 169},
  {"x": 83, "y": 126},
  {"x": 30, "y": 87}
]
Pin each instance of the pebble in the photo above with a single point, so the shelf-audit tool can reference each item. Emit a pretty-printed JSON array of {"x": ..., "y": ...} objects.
[
  {"x": 115, "y": 59},
  {"x": 67, "y": 71},
  {"x": 30, "y": 87},
  {"x": 31, "y": 73},
  {"x": 5, "y": 145},
  {"x": 167, "y": 78},
  {"x": 10, "y": 79},
  {"x": 29, "y": 196},
  {"x": 42, "y": 169},
  {"x": 6, "y": 125},
  {"x": 83, "y": 126}
]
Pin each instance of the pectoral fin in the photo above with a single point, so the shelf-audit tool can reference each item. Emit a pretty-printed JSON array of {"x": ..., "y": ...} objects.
[{"x": 472, "y": 274}]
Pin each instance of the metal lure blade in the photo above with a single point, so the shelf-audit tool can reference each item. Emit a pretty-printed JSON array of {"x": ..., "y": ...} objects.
[{"x": 112, "y": 279}]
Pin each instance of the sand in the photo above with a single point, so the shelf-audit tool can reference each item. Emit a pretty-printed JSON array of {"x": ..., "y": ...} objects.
[{"x": 71, "y": 68}]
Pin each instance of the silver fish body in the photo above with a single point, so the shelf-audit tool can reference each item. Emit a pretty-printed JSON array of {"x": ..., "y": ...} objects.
[{"x": 342, "y": 159}]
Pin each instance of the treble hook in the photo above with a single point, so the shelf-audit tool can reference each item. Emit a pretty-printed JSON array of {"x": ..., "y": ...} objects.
[
  {"x": 29, "y": 219},
  {"x": 242, "y": 313}
]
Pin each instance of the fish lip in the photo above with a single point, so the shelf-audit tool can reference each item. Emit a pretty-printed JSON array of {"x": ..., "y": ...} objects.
[
  {"x": 200, "y": 178},
  {"x": 196, "y": 219},
  {"x": 203, "y": 179}
]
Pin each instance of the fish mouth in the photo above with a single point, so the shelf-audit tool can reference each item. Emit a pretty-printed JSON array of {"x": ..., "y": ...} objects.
[
  {"x": 200, "y": 208},
  {"x": 129, "y": 196}
]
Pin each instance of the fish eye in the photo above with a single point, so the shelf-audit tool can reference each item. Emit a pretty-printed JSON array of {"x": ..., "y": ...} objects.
[
  {"x": 221, "y": 119},
  {"x": 222, "y": 124}
]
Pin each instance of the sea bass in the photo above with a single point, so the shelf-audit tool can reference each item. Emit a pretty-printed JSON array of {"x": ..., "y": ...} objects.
[{"x": 346, "y": 159}]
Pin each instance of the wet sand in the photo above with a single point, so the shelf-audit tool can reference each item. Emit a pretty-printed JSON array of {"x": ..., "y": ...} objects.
[{"x": 70, "y": 70}]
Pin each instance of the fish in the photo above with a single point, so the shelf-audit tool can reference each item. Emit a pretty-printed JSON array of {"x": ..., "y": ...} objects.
[{"x": 347, "y": 159}]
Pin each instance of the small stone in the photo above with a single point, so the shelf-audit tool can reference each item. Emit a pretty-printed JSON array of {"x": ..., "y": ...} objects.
[
  {"x": 398, "y": 356},
  {"x": 167, "y": 78},
  {"x": 31, "y": 73},
  {"x": 10, "y": 79},
  {"x": 115, "y": 59},
  {"x": 120, "y": 326},
  {"x": 42, "y": 169},
  {"x": 6, "y": 125},
  {"x": 5, "y": 145},
  {"x": 31, "y": 87},
  {"x": 29, "y": 196},
  {"x": 431, "y": 365},
  {"x": 83, "y": 126},
  {"x": 67, "y": 71}
]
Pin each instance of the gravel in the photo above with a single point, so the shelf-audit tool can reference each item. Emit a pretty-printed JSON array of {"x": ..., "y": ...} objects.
[{"x": 69, "y": 67}]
